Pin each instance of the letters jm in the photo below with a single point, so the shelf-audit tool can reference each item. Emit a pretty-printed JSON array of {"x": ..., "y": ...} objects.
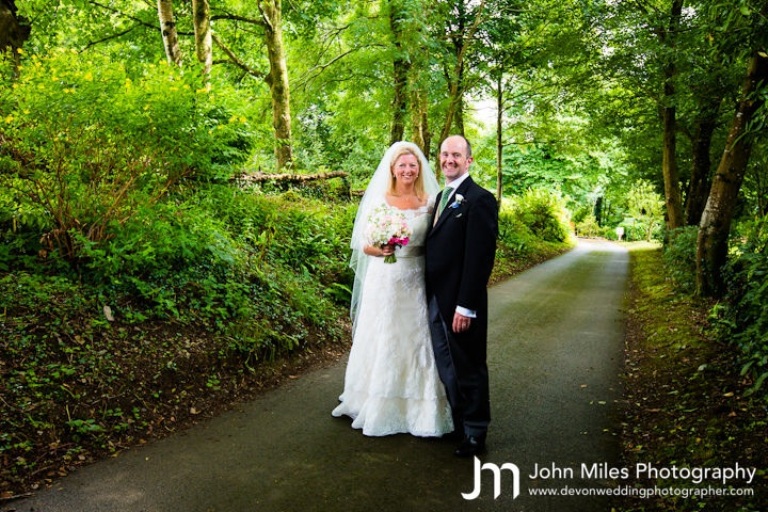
[{"x": 496, "y": 470}]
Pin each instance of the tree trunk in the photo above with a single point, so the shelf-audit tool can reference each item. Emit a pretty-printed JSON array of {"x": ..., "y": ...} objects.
[
  {"x": 168, "y": 30},
  {"x": 701, "y": 167},
  {"x": 672, "y": 194},
  {"x": 201, "y": 14},
  {"x": 421, "y": 135},
  {"x": 399, "y": 100},
  {"x": 461, "y": 108},
  {"x": 712, "y": 246},
  {"x": 418, "y": 79},
  {"x": 761, "y": 190},
  {"x": 499, "y": 137},
  {"x": 402, "y": 66},
  {"x": 454, "y": 93},
  {"x": 13, "y": 30},
  {"x": 456, "y": 87},
  {"x": 271, "y": 11}
]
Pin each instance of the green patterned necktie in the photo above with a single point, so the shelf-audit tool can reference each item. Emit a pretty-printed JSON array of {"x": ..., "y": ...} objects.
[{"x": 444, "y": 200}]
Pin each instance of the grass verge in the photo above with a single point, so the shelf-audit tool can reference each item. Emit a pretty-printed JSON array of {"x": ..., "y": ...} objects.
[{"x": 684, "y": 402}]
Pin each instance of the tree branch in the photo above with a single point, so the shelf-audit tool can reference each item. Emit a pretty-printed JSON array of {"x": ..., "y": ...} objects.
[
  {"x": 237, "y": 17},
  {"x": 110, "y": 37},
  {"x": 236, "y": 60},
  {"x": 138, "y": 21},
  {"x": 318, "y": 69}
]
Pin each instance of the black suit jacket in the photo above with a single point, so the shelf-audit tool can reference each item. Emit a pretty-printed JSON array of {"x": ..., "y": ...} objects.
[{"x": 460, "y": 252}]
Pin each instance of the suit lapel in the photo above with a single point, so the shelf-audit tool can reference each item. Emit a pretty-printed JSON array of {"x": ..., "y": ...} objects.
[{"x": 447, "y": 210}]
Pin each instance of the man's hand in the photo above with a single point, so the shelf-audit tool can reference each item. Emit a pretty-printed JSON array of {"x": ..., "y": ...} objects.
[{"x": 461, "y": 323}]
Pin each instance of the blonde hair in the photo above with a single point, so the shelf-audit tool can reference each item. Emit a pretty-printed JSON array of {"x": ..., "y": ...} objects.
[{"x": 418, "y": 185}]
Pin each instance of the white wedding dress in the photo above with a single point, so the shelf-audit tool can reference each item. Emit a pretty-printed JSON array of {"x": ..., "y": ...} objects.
[{"x": 391, "y": 384}]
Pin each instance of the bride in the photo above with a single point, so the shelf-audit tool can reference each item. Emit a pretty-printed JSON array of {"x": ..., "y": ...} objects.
[{"x": 391, "y": 384}]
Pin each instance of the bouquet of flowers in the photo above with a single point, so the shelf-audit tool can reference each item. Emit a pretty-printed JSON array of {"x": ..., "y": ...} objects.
[{"x": 387, "y": 226}]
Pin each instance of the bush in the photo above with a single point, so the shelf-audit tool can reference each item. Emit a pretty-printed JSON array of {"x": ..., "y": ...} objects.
[
  {"x": 743, "y": 318},
  {"x": 261, "y": 270},
  {"x": 84, "y": 144},
  {"x": 220, "y": 254},
  {"x": 588, "y": 227},
  {"x": 515, "y": 239},
  {"x": 633, "y": 231},
  {"x": 518, "y": 248},
  {"x": 680, "y": 258},
  {"x": 543, "y": 213},
  {"x": 179, "y": 307}
]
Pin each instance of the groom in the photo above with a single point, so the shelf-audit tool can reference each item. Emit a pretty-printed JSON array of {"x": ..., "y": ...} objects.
[{"x": 460, "y": 251}]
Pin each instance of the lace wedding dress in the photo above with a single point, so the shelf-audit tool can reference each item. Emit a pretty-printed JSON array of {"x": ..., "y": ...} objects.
[{"x": 391, "y": 384}]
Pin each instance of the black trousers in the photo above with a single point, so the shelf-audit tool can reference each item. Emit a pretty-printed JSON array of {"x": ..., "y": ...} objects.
[{"x": 464, "y": 375}]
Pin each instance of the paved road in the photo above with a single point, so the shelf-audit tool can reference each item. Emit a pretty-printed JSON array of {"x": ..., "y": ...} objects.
[{"x": 555, "y": 356}]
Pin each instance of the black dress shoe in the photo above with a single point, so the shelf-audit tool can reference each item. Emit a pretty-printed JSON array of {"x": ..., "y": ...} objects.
[
  {"x": 453, "y": 437},
  {"x": 471, "y": 446}
]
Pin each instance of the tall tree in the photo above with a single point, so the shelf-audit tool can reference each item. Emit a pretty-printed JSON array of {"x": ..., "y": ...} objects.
[
  {"x": 672, "y": 194},
  {"x": 13, "y": 30},
  {"x": 712, "y": 247},
  {"x": 270, "y": 20},
  {"x": 201, "y": 17},
  {"x": 419, "y": 78},
  {"x": 168, "y": 31},
  {"x": 410, "y": 95},
  {"x": 462, "y": 21},
  {"x": 709, "y": 83},
  {"x": 503, "y": 50},
  {"x": 705, "y": 123},
  {"x": 422, "y": 136},
  {"x": 271, "y": 13},
  {"x": 398, "y": 18},
  {"x": 535, "y": 59}
]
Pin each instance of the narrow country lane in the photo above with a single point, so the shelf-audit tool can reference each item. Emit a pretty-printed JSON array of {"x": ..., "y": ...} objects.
[{"x": 555, "y": 357}]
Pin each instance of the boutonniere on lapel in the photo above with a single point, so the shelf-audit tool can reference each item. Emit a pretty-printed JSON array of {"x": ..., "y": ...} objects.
[{"x": 458, "y": 200}]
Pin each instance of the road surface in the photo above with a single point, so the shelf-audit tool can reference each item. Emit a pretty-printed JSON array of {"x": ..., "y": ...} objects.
[{"x": 555, "y": 358}]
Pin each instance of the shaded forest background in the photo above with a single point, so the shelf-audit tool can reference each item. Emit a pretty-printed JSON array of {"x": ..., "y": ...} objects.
[{"x": 155, "y": 258}]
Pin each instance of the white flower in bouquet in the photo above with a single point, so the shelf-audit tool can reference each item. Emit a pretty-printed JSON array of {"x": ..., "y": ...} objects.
[{"x": 387, "y": 226}]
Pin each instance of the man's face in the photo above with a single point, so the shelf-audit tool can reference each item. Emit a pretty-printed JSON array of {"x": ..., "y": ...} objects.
[{"x": 453, "y": 158}]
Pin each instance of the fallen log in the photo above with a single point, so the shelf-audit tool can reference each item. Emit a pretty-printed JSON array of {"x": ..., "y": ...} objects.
[{"x": 261, "y": 177}]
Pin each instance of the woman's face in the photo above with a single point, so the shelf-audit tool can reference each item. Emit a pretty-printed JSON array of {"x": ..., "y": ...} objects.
[{"x": 406, "y": 169}]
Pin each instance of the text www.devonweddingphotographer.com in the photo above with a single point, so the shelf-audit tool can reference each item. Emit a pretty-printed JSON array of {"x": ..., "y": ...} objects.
[
  {"x": 510, "y": 475},
  {"x": 644, "y": 492}
]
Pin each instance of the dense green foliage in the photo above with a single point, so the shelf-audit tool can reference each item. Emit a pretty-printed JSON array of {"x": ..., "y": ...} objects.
[
  {"x": 543, "y": 214},
  {"x": 685, "y": 401},
  {"x": 680, "y": 258},
  {"x": 139, "y": 280},
  {"x": 743, "y": 318},
  {"x": 181, "y": 306},
  {"x": 87, "y": 144},
  {"x": 580, "y": 86}
]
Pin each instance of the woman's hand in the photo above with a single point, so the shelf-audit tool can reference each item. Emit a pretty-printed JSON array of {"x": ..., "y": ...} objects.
[{"x": 380, "y": 252}]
